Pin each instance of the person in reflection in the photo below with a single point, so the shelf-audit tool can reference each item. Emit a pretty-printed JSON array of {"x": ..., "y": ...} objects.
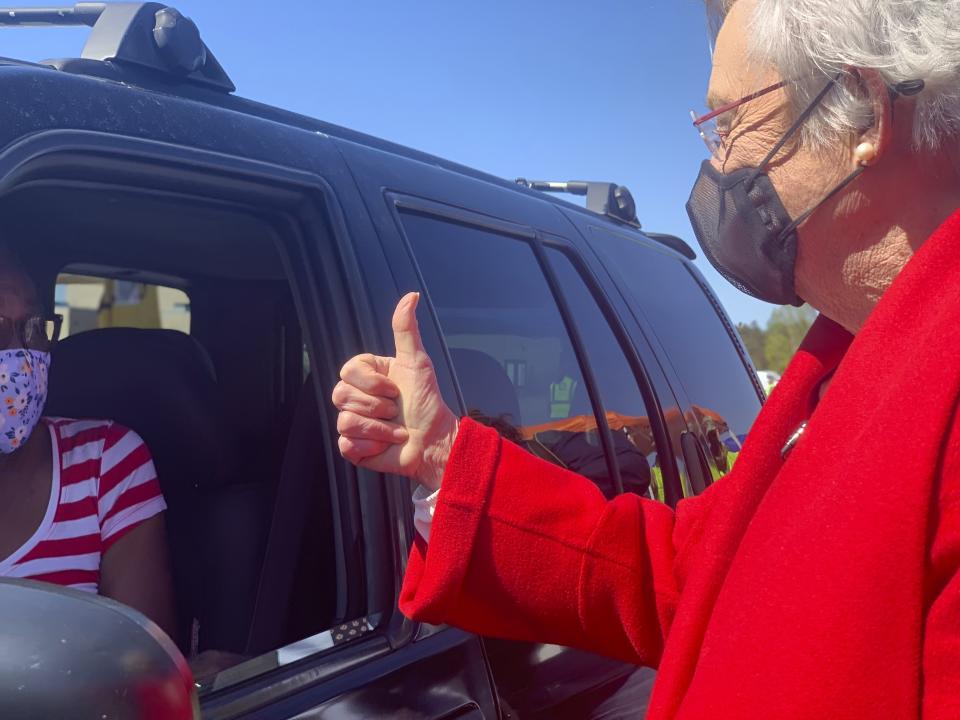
[
  {"x": 580, "y": 451},
  {"x": 821, "y": 577}
]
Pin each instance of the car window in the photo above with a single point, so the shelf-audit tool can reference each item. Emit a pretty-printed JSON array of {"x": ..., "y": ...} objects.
[
  {"x": 714, "y": 376},
  {"x": 627, "y": 413},
  {"x": 513, "y": 357},
  {"x": 88, "y": 302}
]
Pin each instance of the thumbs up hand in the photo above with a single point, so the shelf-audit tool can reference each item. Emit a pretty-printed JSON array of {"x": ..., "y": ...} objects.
[{"x": 392, "y": 417}]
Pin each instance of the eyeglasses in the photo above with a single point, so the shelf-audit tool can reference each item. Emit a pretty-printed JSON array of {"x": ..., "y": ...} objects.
[
  {"x": 37, "y": 332},
  {"x": 714, "y": 134}
]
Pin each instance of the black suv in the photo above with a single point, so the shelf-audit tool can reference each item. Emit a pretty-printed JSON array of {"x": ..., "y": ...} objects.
[{"x": 592, "y": 343}]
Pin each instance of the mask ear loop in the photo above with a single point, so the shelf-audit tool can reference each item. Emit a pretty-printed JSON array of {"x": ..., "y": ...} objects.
[
  {"x": 790, "y": 132},
  {"x": 908, "y": 87},
  {"x": 796, "y": 126},
  {"x": 803, "y": 216}
]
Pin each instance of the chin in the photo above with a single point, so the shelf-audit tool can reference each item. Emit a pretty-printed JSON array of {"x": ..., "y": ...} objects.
[
  {"x": 837, "y": 305},
  {"x": 848, "y": 313}
]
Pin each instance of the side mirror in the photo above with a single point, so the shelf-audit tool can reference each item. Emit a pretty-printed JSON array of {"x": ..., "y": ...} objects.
[{"x": 78, "y": 655}]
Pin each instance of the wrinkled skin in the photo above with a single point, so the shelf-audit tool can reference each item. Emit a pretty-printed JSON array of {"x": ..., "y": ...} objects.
[
  {"x": 392, "y": 417},
  {"x": 851, "y": 249}
]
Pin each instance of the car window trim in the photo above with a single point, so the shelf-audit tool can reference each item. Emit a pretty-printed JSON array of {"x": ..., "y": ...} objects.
[
  {"x": 698, "y": 279},
  {"x": 731, "y": 331},
  {"x": 576, "y": 339},
  {"x": 671, "y": 476},
  {"x": 405, "y": 203},
  {"x": 534, "y": 239}
]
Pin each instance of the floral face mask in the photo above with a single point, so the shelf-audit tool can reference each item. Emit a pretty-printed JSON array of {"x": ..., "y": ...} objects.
[{"x": 23, "y": 393}]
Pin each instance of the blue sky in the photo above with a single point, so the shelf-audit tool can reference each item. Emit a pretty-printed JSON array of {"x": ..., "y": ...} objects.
[{"x": 543, "y": 89}]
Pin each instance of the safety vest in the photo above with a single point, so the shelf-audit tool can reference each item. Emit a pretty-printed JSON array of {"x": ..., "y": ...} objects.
[{"x": 561, "y": 398}]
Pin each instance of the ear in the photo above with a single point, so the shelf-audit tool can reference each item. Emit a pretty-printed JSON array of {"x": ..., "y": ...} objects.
[{"x": 873, "y": 142}]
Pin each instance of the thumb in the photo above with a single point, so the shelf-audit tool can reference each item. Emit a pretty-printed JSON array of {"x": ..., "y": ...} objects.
[{"x": 406, "y": 330}]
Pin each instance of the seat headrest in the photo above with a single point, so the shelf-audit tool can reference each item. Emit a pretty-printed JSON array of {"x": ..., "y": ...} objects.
[
  {"x": 485, "y": 385},
  {"x": 160, "y": 383}
]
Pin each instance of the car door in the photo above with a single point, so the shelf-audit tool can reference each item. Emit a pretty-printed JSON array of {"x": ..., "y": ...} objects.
[
  {"x": 537, "y": 353},
  {"x": 65, "y": 132}
]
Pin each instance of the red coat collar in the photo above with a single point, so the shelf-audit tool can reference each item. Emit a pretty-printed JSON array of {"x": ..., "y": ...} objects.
[
  {"x": 837, "y": 534},
  {"x": 826, "y": 346}
]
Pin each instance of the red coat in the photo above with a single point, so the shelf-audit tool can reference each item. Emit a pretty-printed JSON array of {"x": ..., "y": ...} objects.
[{"x": 825, "y": 586}]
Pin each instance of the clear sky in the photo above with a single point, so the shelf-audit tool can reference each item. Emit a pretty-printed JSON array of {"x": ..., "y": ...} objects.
[{"x": 541, "y": 89}]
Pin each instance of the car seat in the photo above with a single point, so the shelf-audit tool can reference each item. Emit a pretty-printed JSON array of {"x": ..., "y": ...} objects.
[
  {"x": 162, "y": 384},
  {"x": 297, "y": 594},
  {"x": 485, "y": 385}
]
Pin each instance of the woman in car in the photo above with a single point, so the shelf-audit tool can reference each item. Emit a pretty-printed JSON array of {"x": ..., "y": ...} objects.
[
  {"x": 821, "y": 577},
  {"x": 80, "y": 505}
]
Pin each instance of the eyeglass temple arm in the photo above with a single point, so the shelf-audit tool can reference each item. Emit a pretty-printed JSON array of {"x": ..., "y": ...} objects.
[{"x": 736, "y": 103}]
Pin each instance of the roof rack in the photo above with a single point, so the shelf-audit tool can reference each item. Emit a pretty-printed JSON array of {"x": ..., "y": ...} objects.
[
  {"x": 613, "y": 201},
  {"x": 146, "y": 35},
  {"x": 604, "y": 198}
]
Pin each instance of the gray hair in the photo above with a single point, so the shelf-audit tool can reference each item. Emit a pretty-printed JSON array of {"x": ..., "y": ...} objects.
[{"x": 904, "y": 40}]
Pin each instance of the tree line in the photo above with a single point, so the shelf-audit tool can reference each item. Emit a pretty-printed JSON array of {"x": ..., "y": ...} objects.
[{"x": 772, "y": 347}]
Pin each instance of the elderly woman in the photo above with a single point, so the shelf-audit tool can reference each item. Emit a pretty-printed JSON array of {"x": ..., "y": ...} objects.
[{"x": 820, "y": 578}]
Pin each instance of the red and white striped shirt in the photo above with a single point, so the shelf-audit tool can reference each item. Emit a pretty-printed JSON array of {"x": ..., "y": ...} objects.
[{"x": 104, "y": 485}]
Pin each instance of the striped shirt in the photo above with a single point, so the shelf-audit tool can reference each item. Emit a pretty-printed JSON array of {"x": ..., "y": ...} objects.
[{"x": 104, "y": 485}]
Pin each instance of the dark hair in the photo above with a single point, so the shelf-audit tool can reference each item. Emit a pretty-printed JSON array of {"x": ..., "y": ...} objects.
[
  {"x": 11, "y": 262},
  {"x": 8, "y": 254},
  {"x": 507, "y": 430}
]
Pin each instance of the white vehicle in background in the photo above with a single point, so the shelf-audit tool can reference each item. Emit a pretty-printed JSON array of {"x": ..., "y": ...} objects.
[{"x": 768, "y": 379}]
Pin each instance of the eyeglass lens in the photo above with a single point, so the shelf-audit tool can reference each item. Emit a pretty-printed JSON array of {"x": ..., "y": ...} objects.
[{"x": 33, "y": 333}]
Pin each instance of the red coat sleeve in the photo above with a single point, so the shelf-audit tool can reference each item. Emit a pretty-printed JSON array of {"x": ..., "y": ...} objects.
[
  {"x": 941, "y": 632},
  {"x": 941, "y": 643},
  {"x": 524, "y": 550}
]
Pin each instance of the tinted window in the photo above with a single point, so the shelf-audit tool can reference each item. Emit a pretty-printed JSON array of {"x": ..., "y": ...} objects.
[
  {"x": 511, "y": 352},
  {"x": 627, "y": 413},
  {"x": 703, "y": 354}
]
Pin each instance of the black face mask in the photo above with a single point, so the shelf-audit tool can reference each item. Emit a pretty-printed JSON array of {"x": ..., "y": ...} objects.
[{"x": 743, "y": 227}]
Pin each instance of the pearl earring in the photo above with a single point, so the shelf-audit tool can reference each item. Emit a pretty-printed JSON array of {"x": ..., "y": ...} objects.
[{"x": 865, "y": 153}]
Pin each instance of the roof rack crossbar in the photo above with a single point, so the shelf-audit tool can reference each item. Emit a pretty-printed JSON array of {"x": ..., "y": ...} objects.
[
  {"x": 611, "y": 200},
  {"x": 134, "y": 34},
  {"x": 83, "y": 13},
  {"x": 604, "y": 198}
]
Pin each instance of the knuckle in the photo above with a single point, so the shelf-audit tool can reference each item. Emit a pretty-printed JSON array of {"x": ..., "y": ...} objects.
[
  {"x": 354, "y": 365},
  {"x": 347, "y": 367},
  {"x": 345, "y": 422},
  {"x": 350, "y": 451},
  {"x": 386, "y": 409},
  {"x": 367, "y": 425},
  {"x": 358, "y": 406}
]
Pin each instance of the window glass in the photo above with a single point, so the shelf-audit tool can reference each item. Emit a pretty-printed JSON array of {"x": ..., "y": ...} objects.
[
  {"x": 511, "y": 352},
  {"x": 627, "y": 413},
  {"x": 87, "y": 302},
  {"x": 724, "y": 401},
  {"x": 516, "y": 367}
]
